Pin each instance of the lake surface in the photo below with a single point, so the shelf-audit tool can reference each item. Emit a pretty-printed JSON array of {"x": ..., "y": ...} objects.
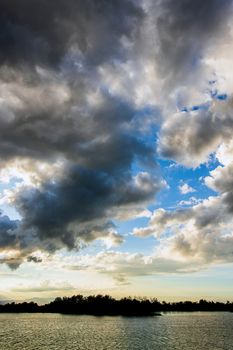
[{"x": 191, "y": 331}]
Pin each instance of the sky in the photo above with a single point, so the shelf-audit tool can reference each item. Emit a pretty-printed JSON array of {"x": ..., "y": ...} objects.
[{"x": 116, "y": 149}]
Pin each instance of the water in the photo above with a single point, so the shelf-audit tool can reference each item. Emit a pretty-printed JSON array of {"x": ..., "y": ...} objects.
[{"x": 177, "y": 331}]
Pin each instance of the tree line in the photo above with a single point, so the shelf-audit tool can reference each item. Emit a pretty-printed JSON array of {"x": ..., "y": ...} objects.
[{"x": 107, "y": 305}]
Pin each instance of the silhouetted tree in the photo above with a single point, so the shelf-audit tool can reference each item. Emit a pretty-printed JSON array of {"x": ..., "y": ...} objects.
[{"x": 107, "y": 305}]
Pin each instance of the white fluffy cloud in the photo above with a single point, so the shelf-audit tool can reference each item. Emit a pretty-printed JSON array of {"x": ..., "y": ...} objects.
[
  {"x": 185, "y": 189},
  {"x": 205, "y": 230}
]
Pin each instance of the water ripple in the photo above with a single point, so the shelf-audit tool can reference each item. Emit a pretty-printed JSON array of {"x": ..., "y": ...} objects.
[{"x": 174, "y": 331}]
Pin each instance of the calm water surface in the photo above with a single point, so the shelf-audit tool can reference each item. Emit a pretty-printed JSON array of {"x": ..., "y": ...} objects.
[{"x": 191, "y": 331}]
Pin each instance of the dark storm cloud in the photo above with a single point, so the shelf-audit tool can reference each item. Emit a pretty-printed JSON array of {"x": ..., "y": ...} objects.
[
  {"x": 67, "y": 210},
  {"x": 55, "y": 107},
  {"x": 41, "y": 31},
  {"x": 184, "y": 28},
  {"x": 96, "y": 140},
  {"x": 45, "y": 113},
  {"x": 56, "y": 59},
  {"x": 9, "y": 240},
  {"x": 7, "y": 234}
]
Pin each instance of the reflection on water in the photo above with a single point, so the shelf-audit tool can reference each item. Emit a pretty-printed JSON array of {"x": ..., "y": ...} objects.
[{"x": 189, "y": 331}]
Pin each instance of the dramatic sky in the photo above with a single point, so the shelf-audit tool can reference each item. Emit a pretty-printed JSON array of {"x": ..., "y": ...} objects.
[{"x": 116, "y": 148}]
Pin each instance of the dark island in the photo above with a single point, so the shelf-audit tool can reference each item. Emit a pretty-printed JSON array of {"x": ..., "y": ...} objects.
[{"x": 101, "y": 305}]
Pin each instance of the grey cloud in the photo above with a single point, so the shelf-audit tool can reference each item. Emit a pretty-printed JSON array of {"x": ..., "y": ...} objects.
[
  {"x": 190, "y": 137},
  {"x": 221, "y": 180},
  {"x": 45, "y": 128},
  {"x": 8, "y": 237},
  {"x": 209, "y": 214},
  {"x": 202, "y": 232},
  {"x": 184, "y": 28},
  {"x": 12, "y": 263},
  {"x": 91, "y": 231},
  {"x": 56, "y": 107},
  {"x": 36, "y": 119},
  {"x": 34, "y": 259},
  {"x": 14, "y": 240},
  {"x": 64, "y": 211},
  {"x": 188, "y": 33},
  {"x": 210, "y": 247},
  {"x": 42, "y": 32}
]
